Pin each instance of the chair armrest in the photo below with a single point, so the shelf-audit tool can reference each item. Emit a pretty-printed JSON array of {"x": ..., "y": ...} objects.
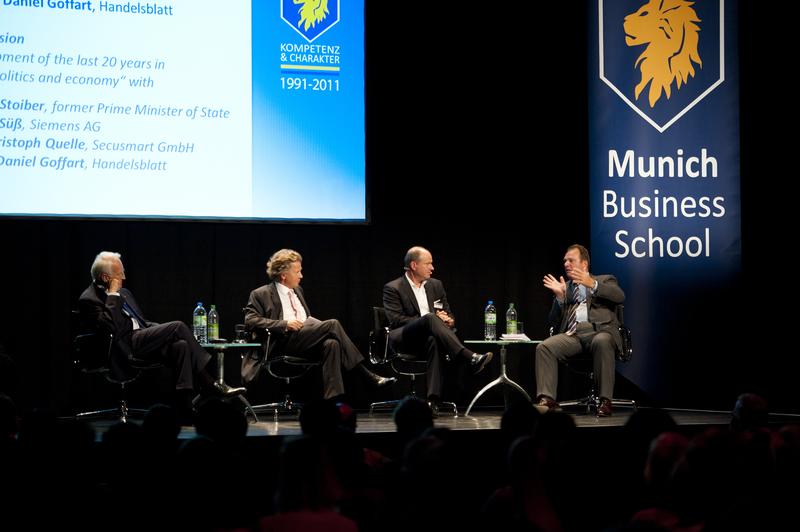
[
  {"x": 379, "y": 354},
  {"x": 92, "y": 351}
]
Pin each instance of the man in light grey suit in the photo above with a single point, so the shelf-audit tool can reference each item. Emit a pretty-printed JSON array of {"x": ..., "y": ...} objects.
[{"x": 584, "y": 316}]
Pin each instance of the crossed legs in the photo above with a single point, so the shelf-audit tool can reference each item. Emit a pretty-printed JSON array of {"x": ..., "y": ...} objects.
[
  {"x": 175, "y": 344},
  {"x": 328, "y": 340},
  {"x": 428, "y": 336}
]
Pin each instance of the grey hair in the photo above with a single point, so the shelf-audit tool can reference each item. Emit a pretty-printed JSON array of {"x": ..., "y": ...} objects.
[
  {"x": 413, "y": 255},
  {"x": 281, "y": 261},
  {"x": 102, "y": 263}
]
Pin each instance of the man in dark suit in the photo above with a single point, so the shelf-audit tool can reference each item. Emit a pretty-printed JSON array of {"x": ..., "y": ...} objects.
[
  {"x": 105, "y": 306},
  {"x": 281, "y": 307},
  {"x": 421, "y": 322},
  {"x": 584, "y": 316}
]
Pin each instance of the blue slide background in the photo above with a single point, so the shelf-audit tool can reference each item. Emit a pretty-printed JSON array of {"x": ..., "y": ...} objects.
[{"x": 308, "y": 146}]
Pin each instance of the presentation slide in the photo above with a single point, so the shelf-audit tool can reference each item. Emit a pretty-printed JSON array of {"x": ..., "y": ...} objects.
[{"x": 182, "y": 109}]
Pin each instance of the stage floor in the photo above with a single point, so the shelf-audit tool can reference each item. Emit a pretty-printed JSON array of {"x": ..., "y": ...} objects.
[{"x": 478, "y": 420}]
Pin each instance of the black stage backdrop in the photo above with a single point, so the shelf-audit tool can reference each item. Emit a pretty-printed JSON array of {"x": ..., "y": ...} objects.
[{"x": 476, "y": 130}]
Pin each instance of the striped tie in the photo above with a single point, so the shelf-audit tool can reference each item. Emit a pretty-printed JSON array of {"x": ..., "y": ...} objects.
[{"x": 572, "y": 320}]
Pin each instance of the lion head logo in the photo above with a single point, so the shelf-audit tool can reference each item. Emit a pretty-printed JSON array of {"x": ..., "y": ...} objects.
[
  {"x": 311, "y": 12},
  {"x": 668, "y": 29}
]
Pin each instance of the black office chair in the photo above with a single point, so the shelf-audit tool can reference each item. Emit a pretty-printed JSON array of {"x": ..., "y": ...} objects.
[
  {"x": 282, "y": 367},
  {"x": 401, "y": 363},
  {"x": 91, "y": 355},
  {"x": 584, "y": 365}
]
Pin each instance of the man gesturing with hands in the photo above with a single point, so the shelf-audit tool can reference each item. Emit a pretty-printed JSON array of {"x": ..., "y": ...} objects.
[{"x": 583, "y": 319}]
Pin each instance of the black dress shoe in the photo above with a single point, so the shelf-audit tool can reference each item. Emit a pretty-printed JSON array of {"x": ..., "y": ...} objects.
[
  {"x": 547, "y": 404},
  {"x": 478, "y": 362},
  {"x": 604, "y": 408},
  {"x": 224, "y": 390},
  {"x": 385, "y": 381},
  {"x": 377, "y": 380},
  {"x": 434, "y": 406}
]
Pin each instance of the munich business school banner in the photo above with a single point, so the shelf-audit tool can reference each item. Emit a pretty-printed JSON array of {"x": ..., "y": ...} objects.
[{"x": 664, "y": 163}]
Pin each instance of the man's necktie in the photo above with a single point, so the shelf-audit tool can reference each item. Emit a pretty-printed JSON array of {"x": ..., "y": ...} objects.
[
  {"x": 572, "y": 320},
  {"x": 291, "y": 302},
  {"x": 133, "y": 314}
]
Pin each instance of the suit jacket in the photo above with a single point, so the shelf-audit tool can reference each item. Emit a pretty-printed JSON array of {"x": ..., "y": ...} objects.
[
  {"x": 601, "y": 307},
  {"x": 103, "y": 314},
  {"x": 264, "y": 311},
  {"x": 401, "y": 305}
]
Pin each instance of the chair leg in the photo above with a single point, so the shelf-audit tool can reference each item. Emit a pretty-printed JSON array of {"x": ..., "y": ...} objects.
[
  {"x": 108, "y": 412},
  {"x": 625, "y": 402},
  {"x": 248, "y": 407},
  {"x": 122, "y": 412},
  {"x": 383, "y": 404},
  {"x": 391, "y": 404},
  {"x": 589, "y": 401},
  {"x": 413, "y": 393},
  {"x": 287, "y": 405},
  {"x": 451, "y": 405}
]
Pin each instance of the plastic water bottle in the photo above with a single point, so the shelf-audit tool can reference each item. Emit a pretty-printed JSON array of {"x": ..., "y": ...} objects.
[
  {"x": 213, "y": 324},
  {"x": 490, "y": 322},
  {"x": 511, "y": 320},
  {"x": 199, "y": 323}
]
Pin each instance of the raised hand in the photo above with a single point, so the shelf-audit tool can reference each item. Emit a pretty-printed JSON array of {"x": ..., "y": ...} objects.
[
  {"x": 581, "y": 277},
  {"x": 557, "y": 286}
]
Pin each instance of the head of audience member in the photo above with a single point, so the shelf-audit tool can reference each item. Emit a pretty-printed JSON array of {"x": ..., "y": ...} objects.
[
  {"x": 320, "y": 417},
  {"x": 665, "y": 452},
  {"x": 749, "y": 413},
  {"x": 412, "y": 417},
  {"x": 418, "y": 264},
  {"x": 222, "y": 422},
  {"x": 647, "y": 423},
  {"x": 161, "y": 425},
  {"x": 519, "y": 419},
  {"x": 555, "y": 427},
  {"x": 285, "y": 266},
  {"x": 524, "y": 459},
  {"x": 307, "y": 479},
  {"x": 348, "y": 419},
  {"x": 197, "y": 470},
  {"x": 704, "y": 479},
  {"x": 787, "y": 454},
  {"x": 425, "y": 453},
  {"x": 640, "y": 430}
]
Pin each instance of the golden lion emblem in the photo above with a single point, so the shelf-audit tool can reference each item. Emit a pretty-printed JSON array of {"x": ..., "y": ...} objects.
[
  {"x": 311, "y": 12},
  {"x": 668, "y": 29}
]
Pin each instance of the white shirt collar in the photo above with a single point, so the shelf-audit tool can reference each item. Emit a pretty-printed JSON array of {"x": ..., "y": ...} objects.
[{"x": 413, "y": 286}]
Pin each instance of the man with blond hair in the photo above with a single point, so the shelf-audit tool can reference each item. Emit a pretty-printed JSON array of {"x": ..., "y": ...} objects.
[{"x": 280, "y": 307}]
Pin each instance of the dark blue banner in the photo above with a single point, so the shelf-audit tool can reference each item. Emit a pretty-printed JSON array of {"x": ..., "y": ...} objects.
[{"x": 664, "y": 163}]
